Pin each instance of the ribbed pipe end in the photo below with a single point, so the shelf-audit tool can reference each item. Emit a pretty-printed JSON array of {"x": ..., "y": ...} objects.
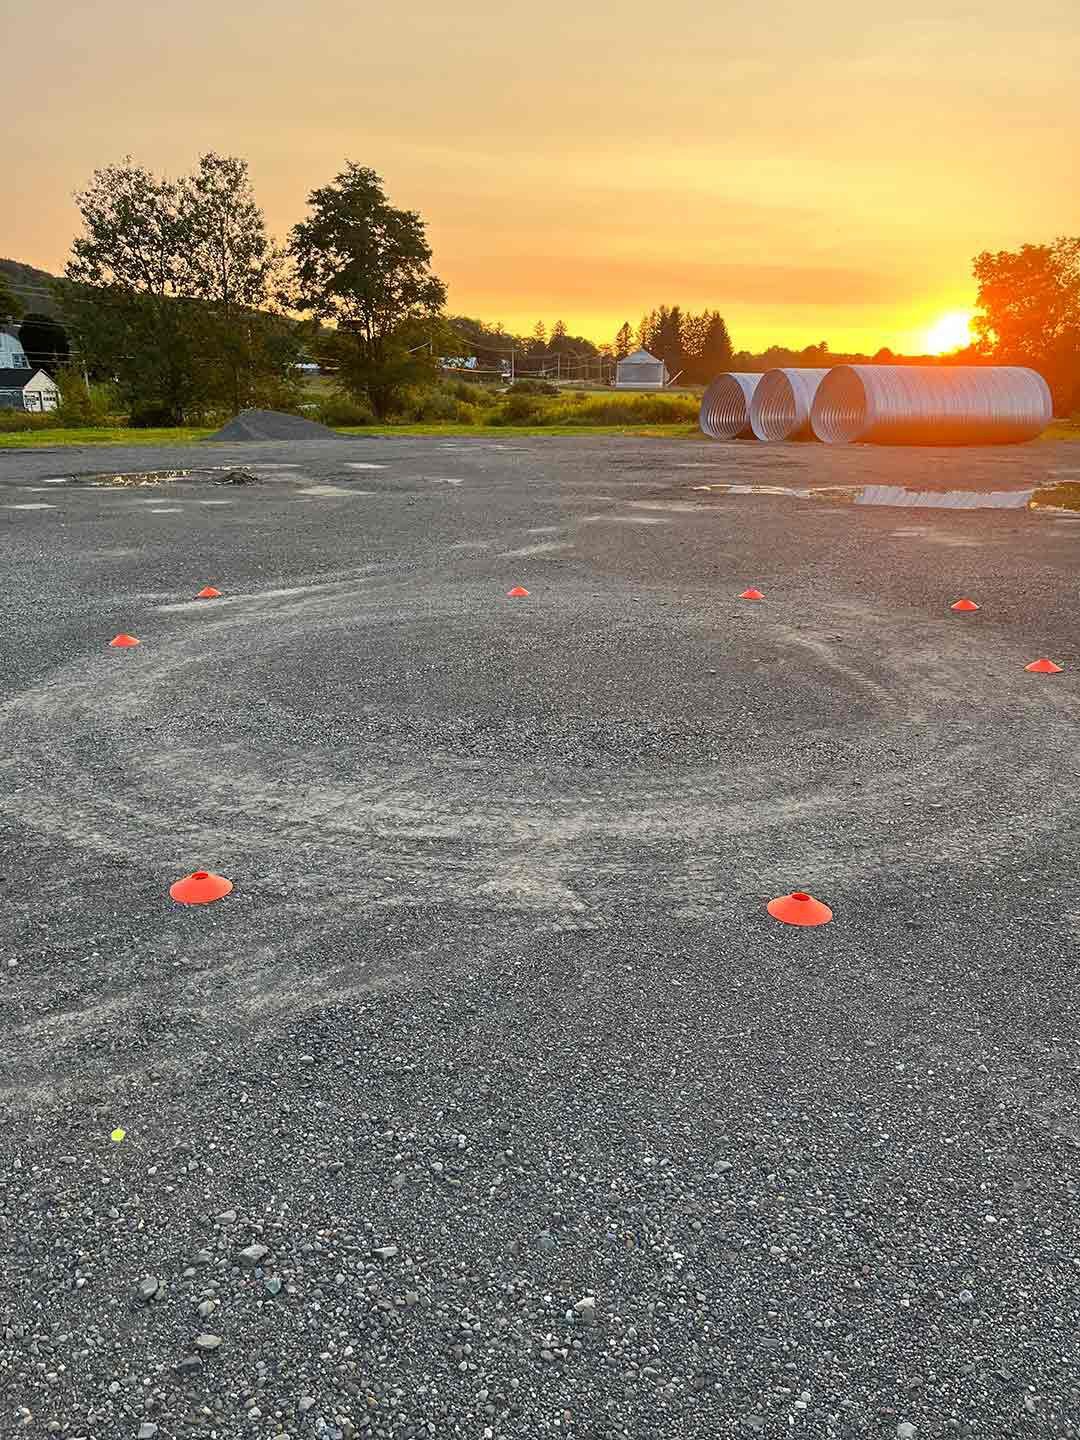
[
  {"x": 774, "y": 413},
  {"x": 839, "y": 413},
  {"x": 725, "y": 406}
]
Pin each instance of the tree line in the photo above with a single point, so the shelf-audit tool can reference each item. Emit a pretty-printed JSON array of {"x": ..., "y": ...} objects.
[{"x": 178, "y": 296}]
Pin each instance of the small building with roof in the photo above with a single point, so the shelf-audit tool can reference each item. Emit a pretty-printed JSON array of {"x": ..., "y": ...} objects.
[
  {"x": 640, "y": 371},
  {"x": 21, "y": 386}
]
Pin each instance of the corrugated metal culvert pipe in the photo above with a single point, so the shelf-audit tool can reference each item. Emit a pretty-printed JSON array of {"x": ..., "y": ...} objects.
[
  {"x": 725, "y": 406},
  {"x": 931, "y": 405},
  {"x": 780, "y": 409}
]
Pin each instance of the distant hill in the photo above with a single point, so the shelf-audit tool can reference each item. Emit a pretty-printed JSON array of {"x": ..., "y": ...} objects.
[{"x": 32, "y": 286}]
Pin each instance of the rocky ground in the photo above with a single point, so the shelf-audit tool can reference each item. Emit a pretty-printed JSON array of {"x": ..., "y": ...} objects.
[{"x": 491, "y": 1103}]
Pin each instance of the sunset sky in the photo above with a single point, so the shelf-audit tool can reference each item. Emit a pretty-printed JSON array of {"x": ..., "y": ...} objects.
[{"x": 814, "y": 171}]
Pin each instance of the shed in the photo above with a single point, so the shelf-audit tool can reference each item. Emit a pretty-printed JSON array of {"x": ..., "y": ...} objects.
[
  {"x": 26, "y": 389},
  {"x": 640, "y": 371}
]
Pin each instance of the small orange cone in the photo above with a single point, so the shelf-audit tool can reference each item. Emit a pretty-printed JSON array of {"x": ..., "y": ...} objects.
[
  {"x": 751, "y": 594},
  {"x": 122, "y": 642},
  {"x": 963, "y": 605},
  {"x": 200, "y": 888},
  {"x": 516, "y": 591},
  {"x": 1044, "y": 667},
  {"x": 798, "y": 908},
  {"x": 208, "y": 593}
]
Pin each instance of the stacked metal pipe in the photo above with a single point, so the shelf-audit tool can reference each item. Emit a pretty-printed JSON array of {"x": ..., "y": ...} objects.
[
  {"x": 725, "y": 406},
  {"x": 931, "y": 405},
  {"x": 882, "y": 405},
  {"x": 781, "y": 406}
]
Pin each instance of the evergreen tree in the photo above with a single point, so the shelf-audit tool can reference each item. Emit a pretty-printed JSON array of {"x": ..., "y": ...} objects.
[
  {"x": 624, "y": 341},
  {"x": 716, "y": 354}
]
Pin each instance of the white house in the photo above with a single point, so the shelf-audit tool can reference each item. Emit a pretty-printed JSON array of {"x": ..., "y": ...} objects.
[
  {"x": 21, "y": 386},
  {"x": 640, "y": 371},
  {"x": 28, "y": 390}
]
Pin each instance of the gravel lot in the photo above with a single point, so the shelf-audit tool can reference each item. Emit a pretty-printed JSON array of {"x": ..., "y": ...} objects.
[{"x": 491, "y": 1103}]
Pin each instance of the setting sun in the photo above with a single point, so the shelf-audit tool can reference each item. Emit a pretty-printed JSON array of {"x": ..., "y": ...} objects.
[{"x": 951, "y": 332}]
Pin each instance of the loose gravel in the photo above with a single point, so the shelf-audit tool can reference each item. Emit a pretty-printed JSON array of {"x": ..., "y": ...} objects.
[{"x": 491, "y": 1103}]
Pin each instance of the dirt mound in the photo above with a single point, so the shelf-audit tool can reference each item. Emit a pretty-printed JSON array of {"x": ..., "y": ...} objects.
[{"x": 273, "y": 425}]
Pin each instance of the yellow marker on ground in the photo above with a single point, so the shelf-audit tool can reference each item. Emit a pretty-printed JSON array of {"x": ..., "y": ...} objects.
[{"x": 118, "y": 1135}]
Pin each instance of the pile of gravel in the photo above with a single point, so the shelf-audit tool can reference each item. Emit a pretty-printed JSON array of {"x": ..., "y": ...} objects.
[{"x": 273, "y": 425}]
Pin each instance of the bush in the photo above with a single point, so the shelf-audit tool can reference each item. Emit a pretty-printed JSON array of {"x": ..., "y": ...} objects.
[
  {"x": 13, "y": 422},
  {"x": 428, "y": 402},
  {"x": 517, "y": 409},
  {"x": 83, "y": 405},
  {"x": 338, "y": 408},
  {"x": 625, "y": 410},
  {"x": 151, "y": 417},
  {"x": 534, "y": 387}
]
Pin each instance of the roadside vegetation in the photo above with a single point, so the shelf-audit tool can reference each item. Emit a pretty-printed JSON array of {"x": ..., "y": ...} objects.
[{"x": 456, "y": 406}]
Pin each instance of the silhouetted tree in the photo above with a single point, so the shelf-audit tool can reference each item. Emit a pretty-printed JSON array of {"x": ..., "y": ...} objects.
[
  {"x": 366, "y": 265},
  {"x": 1028, "y": 312}
]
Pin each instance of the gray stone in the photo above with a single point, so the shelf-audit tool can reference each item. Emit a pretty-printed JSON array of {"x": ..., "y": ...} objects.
[
  {"x": 252, "y": 1255},
  {"x": 205, "y": 1341},
  {"x": 905, "y": 1430},
  {"x": 305, "y": 1403},
  {"x": 272, "y": 1286},
  {"x": 147, "y": 1430},
  {"x": 149, "y": 1287},
  {"x": 385, "y": 1252}
]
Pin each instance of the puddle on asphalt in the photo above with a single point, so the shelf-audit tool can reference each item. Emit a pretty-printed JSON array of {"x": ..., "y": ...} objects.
[
  {"x": 1061, "y": 497},
  {"x": 133, "y": 478}
]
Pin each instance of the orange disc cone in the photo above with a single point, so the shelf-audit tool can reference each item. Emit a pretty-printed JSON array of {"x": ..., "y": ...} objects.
[
  {"x": 516, "y": 591},
  {"x": 963, "y": 605},
  {"x": 1044, "y": 667},
  {"x": 798, "y": 908},
  {"x": 751, "y": 594},
  {"x": 200, "y": 888},
  {"x": 208, "y": 593},
  {"x": 123, "y": 642}
]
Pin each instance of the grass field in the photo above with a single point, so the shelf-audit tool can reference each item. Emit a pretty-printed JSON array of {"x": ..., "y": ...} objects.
[{"x": 43, "y": 439}]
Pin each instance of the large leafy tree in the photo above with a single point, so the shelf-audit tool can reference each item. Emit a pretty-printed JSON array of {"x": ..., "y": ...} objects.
[
  {"x": 1028, "y": 312},
  {"x": 366, "y": 266},
  {"x": 229, "y": 264},
  {"x": 161, "y": 288},
  {"x": 125, "y": 295}
]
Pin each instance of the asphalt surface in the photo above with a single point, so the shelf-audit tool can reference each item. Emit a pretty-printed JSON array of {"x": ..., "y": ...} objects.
[{"x": 538, "y": 1123}]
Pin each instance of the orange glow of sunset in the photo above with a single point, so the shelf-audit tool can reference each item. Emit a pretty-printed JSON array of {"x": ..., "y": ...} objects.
[
  {"x": 714, "y": 157},
  {"x": 951, "y": 332}
]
